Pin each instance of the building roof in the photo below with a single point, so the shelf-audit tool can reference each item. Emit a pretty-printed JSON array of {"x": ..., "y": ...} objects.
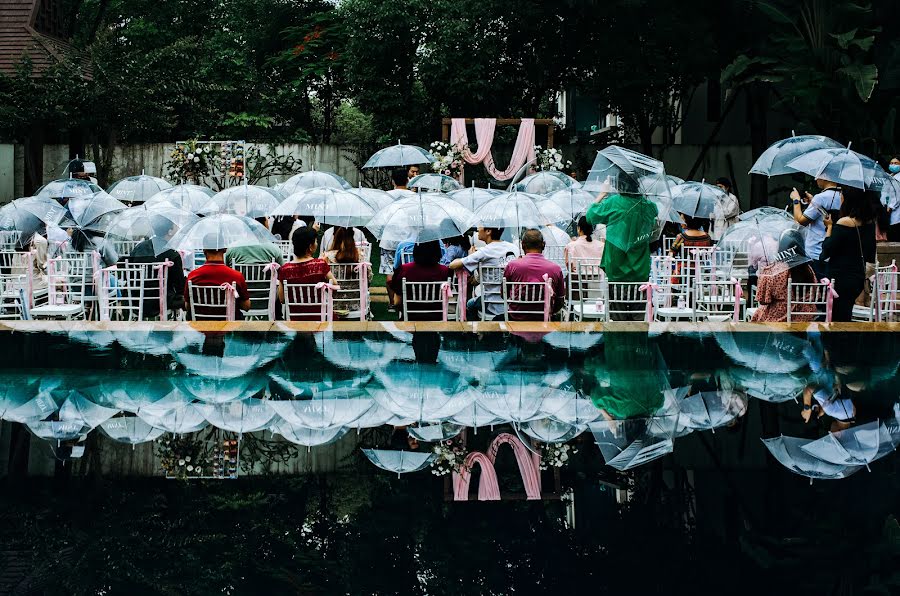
[{"x": 33, "y": 28}]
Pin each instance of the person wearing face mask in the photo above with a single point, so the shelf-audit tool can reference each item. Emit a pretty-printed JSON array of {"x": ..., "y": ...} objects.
[{"x": 893, "y": 209}]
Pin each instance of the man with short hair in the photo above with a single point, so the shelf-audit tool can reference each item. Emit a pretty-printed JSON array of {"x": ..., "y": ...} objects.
[
  {"x": 215, "y": 273},
  {"x": 811, "y": 213},
  {"x": 255, "y": 254},
  {"x": 494, "y": 253},
  {"x": 532, "y": 267},
  {"x": 412, "y": 172}
]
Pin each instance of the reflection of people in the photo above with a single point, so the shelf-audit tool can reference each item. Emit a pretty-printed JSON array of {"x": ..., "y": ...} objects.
[{"x": 628, "y": 380}]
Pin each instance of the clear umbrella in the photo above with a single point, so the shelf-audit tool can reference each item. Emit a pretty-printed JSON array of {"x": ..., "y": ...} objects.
[
  {"x": 627, "y": 444},
  {"x": 186, "y": 418},
  {"x": 756, "y": 239},
  {"x": 327, "y": 409},
  {"x": 547, "y": 430},
  {"x": 219, "y": 390},
  {"x": 157, "y": 224},
  {"x": 421, "y": 392},
  {"x": 129, "y": 391},
  {"x": 472, "y": 197},
  {"x": 242, "y": 416},
  {"x": 188, "y": 197},
  {"x": 246, "y": 200},
  {"x": 331, "y": 206},
  {"x": 399, "y": 155},
  {"x": 77, "y": 408},
  {"x": 841, "y": 165},
  {"x": 430, "y": 433},
  {"x": 519, "y": 396},
  {"x": 770, "y": 387},
  {"x": 29, "y": 216},
  {"x": 401, "y": 462},
  {"x": 475, "y": 416},
  {"x": 790, "y": 453},
  {"x": 309, "y": 437},
  {"x": 66, "y": 188},
  {"x": 519, "y": 210},
  {"x": 856, "y": 446},
  {"x": 130, "y": 430},
  {"x": 34, "y": 409},
  {"x": 545, "y": 182},
  {"x": 761, "y": 213},
  {"x": 573, "y": 201},
  {"x": 137, "y": 189},
  {"x": 778, "y": 353},
  {"x": 93, "y": 211},
  {"x": 434, "y": 182},
  {"x": 774, "y": 160},
  {"x": 424, "y": 217},
  {"x": 378, "y": 199},
  {"x": 310, "y": 180},
  {"x": 221, "y": 231},
  {"x": 349, "y": 352},
  {"x": 697, "y": 199},
  {"x": 709, "y": 410},
  {"x": 574, "y": 341}
]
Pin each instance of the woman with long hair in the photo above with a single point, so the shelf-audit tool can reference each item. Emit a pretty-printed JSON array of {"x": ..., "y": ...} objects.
[
  {"x": 585, "y": 246},
  {"x": 343, "y": 247}
]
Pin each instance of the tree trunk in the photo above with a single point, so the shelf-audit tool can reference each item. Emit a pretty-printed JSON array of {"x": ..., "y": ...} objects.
[
  {"x": 757, "y": 110},
  {"x": 34, "y": 160}
]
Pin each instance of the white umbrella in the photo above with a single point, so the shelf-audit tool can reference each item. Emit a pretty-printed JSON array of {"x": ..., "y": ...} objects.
[
  {"x": 221, "y": 231},
  {"x": 423, "y": 217},
  {"x": 331, "y": 206},
  {"x": 137, "y": 189},
  {"x": 242, "y": 416},
  {"x": 312, "y": 179},
  {"x": 399, "y": 155},
  {"x": 187, "y": 197},
  {"x": 246, "y": 200},
  {"x": 401, "y": 462}
]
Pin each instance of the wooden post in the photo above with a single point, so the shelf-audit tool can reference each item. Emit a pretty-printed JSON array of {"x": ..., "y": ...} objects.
[
  {"x": 550, "y": 128},
  {"x": 445, "y": 130}
]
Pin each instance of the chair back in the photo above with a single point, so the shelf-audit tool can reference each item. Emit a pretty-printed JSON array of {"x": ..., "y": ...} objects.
[
  {"x": 121, "y": 292},
  {"x": 17, "y": 273},
  {"x": 124, "y": 247},
  {"x": 886, "y": 294},
  {"x": 9, "y": 239},
  {"x": 459, "y": 288},
  {"x": 531, "y": 301},
  {"x": 69, "y": 278},
  {"x": 307, "y": 302},
  {"x": 287, "y": 249},
  {"x": 718, "y": 299},
  {"x": 262, "y": 286},
  {"x": 625, "y": 299},
  {"x": 406, "y": 256},
  {"x": 490, "y": 279},
  {"x": 427, "y": 300},
  {"x": 587, "y": 291},
  {"x": 808, "y": 300},
  {"x": 556, "y": 254},
  {"x": 212, "y": 303},
  {"x": 365, "y": 251},
  {"x": 353, "y": 297}
]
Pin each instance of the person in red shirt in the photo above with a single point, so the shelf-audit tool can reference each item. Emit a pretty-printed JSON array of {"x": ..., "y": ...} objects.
[
  {"x": 531, "y": 268},
  {"x": 215, "y": 273},
  {"x": 304, "y": 269},
  {"x": 424, "y": 267}
]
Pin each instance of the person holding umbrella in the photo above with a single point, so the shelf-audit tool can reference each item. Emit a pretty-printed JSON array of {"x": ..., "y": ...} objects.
[
  {"x": 893, "y": 231},
  {"x": 812, "y": 213}
]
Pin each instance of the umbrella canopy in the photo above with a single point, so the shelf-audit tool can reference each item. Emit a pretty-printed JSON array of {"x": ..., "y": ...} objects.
[
  {"x": 476, "y": 415},
  {"x": 544, "y": 182},
  {"x": 627, "y": 444},
  {"x": 331, "y": 206},
  {"x": 549, "y": 431},
  {"x": 774, "y": 160},
  {"x": 472, "y": 197},
  {"x": 310, "y": 180},
  {"x": 309, "y": 437},
  {"x": 349, "y": 352},
  {"x": 399, "y": 155},
  {"x": 378, "y": 199},
  {"x": 434, "y": 182},
  {"x": 246, "y": 200},
  {"x": 430, "y": 433},
  {"x": 856, "y": 446},
  {"x": 758, "y": 238},
  {"x": 221, "y": 231},
  {"x": 518, "y": 210},
  {"x": 93, "y": 211},
  {"x": 573, "y": 201},
  {"x": 840, "y": 165},
  {"x": 186, "y": 418},
  {"x": 66, "y": 188},
  {"x": 243, "y": 416},
  {"x": 137, "y": 189},
  {"x": 766, "y": 212},
  {"x": 424, "y": 217},
  {"x": 421, "y": 392},
  {"x": 773, "y": 388},
  {"x": 708, "y": 410},
  {"x": 327, "y": 409},
  {"x": 790, "y": 453},
  {"x": 188, "y": 197},
  {"x": 78, "y": 408},
  {"x": 697, "y": 199},
  {"x": 778, "y": 353},
  {"x": 130, "y": 430},
  {"x": 157, "y": 224},
  {"x": 30, "y": 216},
  {"x": 401, "y": 462}
]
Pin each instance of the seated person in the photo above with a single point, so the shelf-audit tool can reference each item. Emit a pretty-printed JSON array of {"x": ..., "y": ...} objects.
[
  {"x": 585, "y": 246},
  {"x": 791, "y": 263},
  {"x": 328, "y": 236},
  {"x": 254, "y": 254},
  {"x": 494, "y": 253},
  {"x": 304, "y": 269},
  {"x": 532, "y": 267},
  {"x": 425, "y": 267},
  {"x": 144, "y": 252},
  {"x": 345, "y": 251},
  {"x": 455, "y": 248},
  {"x": 214, "y": 272}
]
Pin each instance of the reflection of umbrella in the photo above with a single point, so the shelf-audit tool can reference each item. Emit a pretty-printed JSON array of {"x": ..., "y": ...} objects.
[
  {"x": 568, "y": 407},
  {"x": 188, "y": 197},
  {"x": 350, "y": 351},
  {"x": 774, "y": 160},
  {"x": 856, "y": 446},
  {"x": 312, "y": 179},
  {"x": 422, "y": 392},
  {"x": 626, "y": 444},
  {"x": 476, "y": 415},
  {"x": 32, "y": 410},
  {"x": 129, "y": 390},
  {"x": 777, "y": 353},
  {"x": 77, "y": 408},
  {"x": 219, "y": 232},
  {"x": 435, "y": 182},
  {"x": 158, "y": 224},
  {"x": 697, "y": 199},
  {"x": 548, "y": 431},
  {"x": 840, "y": 165},
  {"x": 472, "y": 197},
  {"x": 790, "y": 453},
  {"x": 327, "y": 409},
  {"x": 516, "y": 210},
  {"x": 137, "y": 189},
  {"x": 424, "y": 217},
  {"x": 770, "y": 387},
  {"x": 218, "y": 390},
  {"x": 130, "y": 430},
  {"x": 519, "y": 396},
  {"x": 400, "y": 462},
  {"x": 544, "y": 182},
  {"x": 59, "y": 430},
  {"x": 66, "y": 188},
  {"x": 184, "y": 419},
  {"x": 246, "y": 200},
  {"x": 332, "y": 206},
  {"x": 435, "y": 432},
  {"x": 711, "y": 409},
  {"x": 399, "y": 155},
  {"x": 577, "y": 341},
  {"x": 243, "y": 416},
  {"x": 309, "y": 437}
]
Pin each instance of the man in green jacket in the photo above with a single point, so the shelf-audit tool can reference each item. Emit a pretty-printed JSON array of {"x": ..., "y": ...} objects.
[{"x": 630, "y": 220}]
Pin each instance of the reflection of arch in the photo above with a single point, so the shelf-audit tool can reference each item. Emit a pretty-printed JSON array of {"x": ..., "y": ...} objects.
[{"x": 488, "y": 486}]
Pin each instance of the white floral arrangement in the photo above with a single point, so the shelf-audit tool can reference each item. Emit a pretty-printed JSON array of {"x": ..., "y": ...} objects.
[
  {"x": 189, "y": 161},
  {"x": 556, "y": 455},
  {"x": 550, "y": 159},
  {"x": 448, "y": 159},
  {"x": 450, "y": 458}
]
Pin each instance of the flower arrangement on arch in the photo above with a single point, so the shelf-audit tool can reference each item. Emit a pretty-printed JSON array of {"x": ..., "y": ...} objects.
[
  {"x": 448, "y": 159},
  {"x": 550, "y": 159},
  {"x": 555, "y": 455},
  {"x": 182, "y": 456},
  {"x": 189, "y": 161},
  {"x": 450, "y": 458}
]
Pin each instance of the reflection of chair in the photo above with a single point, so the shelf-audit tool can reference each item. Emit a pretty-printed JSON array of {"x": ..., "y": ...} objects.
[
  {"x": 353, "y": 297},
  {"x": 587, "y": 291},
  {"x": 260, "y": 287},
  {"x": 802, "y": 296},
  {"x": 531, "y": 300},
  {"x": 307, "y": 302},
  {"x": 212, "y": 303},
  {"x": 427, "y": 300},
  {"x": 68, "y": 281}
]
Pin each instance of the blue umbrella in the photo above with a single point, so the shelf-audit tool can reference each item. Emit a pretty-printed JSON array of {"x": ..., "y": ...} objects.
[
  {"x": 399, "y": 155},
  {"x": 790, "y": 453},
  {"x": 774, "y": 160},
  {"x": 840, "y": 165},
  {"x": 401, "y": 462}
]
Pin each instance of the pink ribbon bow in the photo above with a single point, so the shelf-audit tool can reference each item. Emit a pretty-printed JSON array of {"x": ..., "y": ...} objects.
[
  {"x": 462, "y": 284},
  {"x": 161, "y": 277},
  {"x": 738, "y": 294},
  {"x": 325, "y": 289},
  {"x": 231, "y": 295},
  {"x": 272, "y": 268},
  {"x": 548, "y": 296},
  {"x": 103, "y": 291},
  {"x": 446, "y": 292},
  {"x": 363, "y": 268},
  {"x": 649, "y": 288},
  {"x": 830, "y": 295}
]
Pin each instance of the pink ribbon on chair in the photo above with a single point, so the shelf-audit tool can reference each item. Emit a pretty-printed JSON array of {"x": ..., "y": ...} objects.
[
  {"x": 103, "y": 293},
  {"x": 231, "y": 296},
  {"x": 327, "y": 304},
  {"x": 830, "y": 295},
  {"x": 272, "y": 268},
  {"x": 161, "y": 279},
  {"x": 649, "y": 288},
  {"x": 738, "y": 294},
  {"x": 548, "y": 296},
  {"x": 446, "y": 292},
  {"x": 363, "y": 268},
  {"x": 29, "y": 278},
  {"x": 462, "y": 286}
]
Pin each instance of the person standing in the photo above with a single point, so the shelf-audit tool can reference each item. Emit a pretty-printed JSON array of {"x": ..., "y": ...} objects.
[
  {"x": 893, "y": 208},
  {"x": 725, "y": 213},
  {"x": 811, "y": 213},
  {"x": 629, "y": 219},
  {"x": 388, "y": 249}
]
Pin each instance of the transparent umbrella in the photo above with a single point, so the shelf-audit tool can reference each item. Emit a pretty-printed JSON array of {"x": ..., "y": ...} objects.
[
  {"x": 312, "y": 179},
  {"x": 188, "y": 197},
  {"x": 770, "y": 387},
  {"x": 130, "y": 430},
  {"x": 93, "y": 211},
  {"x": 421, "y": 392},
  {"x": 378, "y": 199},
  {"x": 242, "y": 416},
  {"x": 697, "y": 199},
  {"x": 856, "y": 446},
  {"x": 774, "y": 160},
  {"x": 351, "y": 352},
  {"x": 424, "y": 217},
  {"x": 220, "y": 231},
  {"x": 401, "y": 462},
  {"x": 841, "y": 165},
  {"x": 434, "y": 182},
  {"x": 430, "y": 433},
  {"x": 326, "y": 409},
  {"x": 756, "y": 240},
  {"x": 778, "y": 353},
  {"x": 219, "y": 390},
  {"x": 29, "y": 216},
  {"x": 246, "y": 200},
  {"x": 573, "y": 201},
  {"x": 137, "y": 189},
  {"x": 709, "y": 410},
  {"x": 790, "y": 453},
  {"x": 78, "y": 408},
  {"x": 544, "y": 182},
  {"x": 472, "y": 197},
  {"x": 519, "y": 210},
  {"x": 157, "y": 224},
  {"x": 66, "y": 188},
  {"x": 399, "y": 155},
  {"x": 309, "y": 437},
  {"x": 331, "y": 206},
  {"x": 186, "y": 418},
  {"x": 765, "y": 212},
  {"x": 627, "y": 444},
  {"x": 547, "y": 430}
]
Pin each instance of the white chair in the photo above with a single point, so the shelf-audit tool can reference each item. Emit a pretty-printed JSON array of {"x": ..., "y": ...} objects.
[
  {"x": 307, "y": 302},
  {"x": 17, "y": 273},
  {"x": 67, "y": 284},
  {"x": 421, "y": 298},
  {"x": 625, "y": 300},
  {"x": 719, "y": 300},
  {"x": 459, "y": 285},
  {"x": 666, "y": 245},
  {"x": 9, "y": 240},
  {"x": 406, "y": 256},
  {"x": 212, "y": 303},
  {"x": 490, "y": 283},
  {"x": 124, "y": 247},
  {"x": 672, "y": 285},
  {"x": 752, "y": 305},
  {"x": 587, "y": 298},
  {"x": 800, "y": 297},
  {"x": 532, "y": 300},
  {"x": 287, "y": 249},
  {"x": 262, "y": 286},
  {"x": 556, "y": 254},
  {"x": 886, "y": 294},
  {"x": 353, "y": 297},
  {"x": 121, "y": 293}
]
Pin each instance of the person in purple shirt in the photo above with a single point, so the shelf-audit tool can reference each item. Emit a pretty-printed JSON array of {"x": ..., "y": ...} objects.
[{"x": 532, "y": 267}]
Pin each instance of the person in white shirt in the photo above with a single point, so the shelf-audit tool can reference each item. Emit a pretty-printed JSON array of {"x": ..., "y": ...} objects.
[
  {"x": 494, "y": 253},
  {"x": 725, "y": 213},
  {"x": 893, "y": 208},
  {"x": 811, "y": 213}
]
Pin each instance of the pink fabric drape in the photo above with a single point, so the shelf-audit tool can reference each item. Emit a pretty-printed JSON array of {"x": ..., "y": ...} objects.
[
  {"x": 523, "y": 152},
  {"x": 488, "y": 487}
]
